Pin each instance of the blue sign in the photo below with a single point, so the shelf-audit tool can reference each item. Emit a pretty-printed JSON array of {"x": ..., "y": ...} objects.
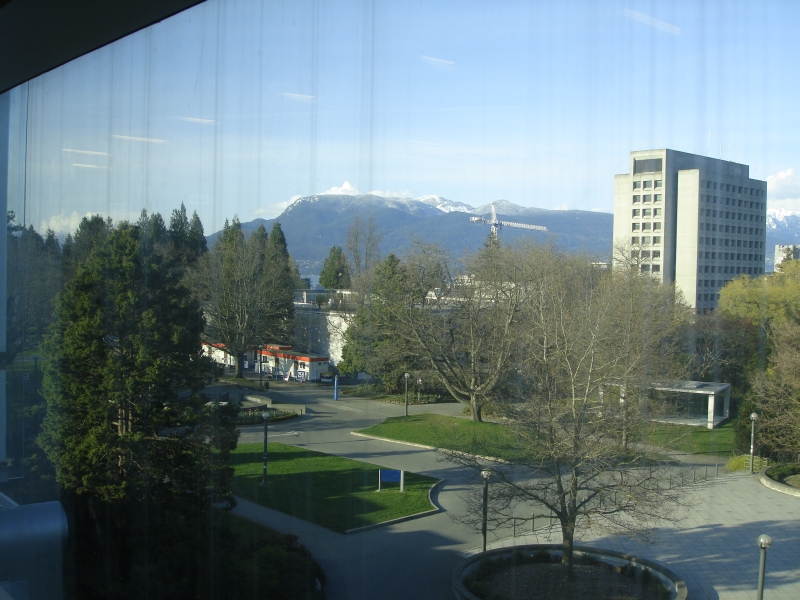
[{"x": 390, "y": 476}]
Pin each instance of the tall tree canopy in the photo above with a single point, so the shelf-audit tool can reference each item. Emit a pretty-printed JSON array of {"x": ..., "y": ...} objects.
[
  {"x": 335, "y": 273},
  {"x": 372, "y": 343},
  {"x": 121, "y": 438},
  {"x": 247, "y": 289}
]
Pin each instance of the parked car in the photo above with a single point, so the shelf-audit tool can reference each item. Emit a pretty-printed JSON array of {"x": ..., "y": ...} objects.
[{"x": 326, "y": 377}]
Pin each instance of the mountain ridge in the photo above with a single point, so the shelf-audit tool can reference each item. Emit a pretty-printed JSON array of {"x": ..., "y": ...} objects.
[{"x": 313, "y": 224}]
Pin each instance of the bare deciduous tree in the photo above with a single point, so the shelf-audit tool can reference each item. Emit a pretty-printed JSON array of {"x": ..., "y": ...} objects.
[
  {"x": 588, "y": 333},
  {"x": 463, "y": 319},
  {"x": 362, "y": 245},
  {"x": 246, "y": 292}
]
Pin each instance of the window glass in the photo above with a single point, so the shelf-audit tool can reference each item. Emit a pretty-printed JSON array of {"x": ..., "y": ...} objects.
[{"x": 349, "y": 179}]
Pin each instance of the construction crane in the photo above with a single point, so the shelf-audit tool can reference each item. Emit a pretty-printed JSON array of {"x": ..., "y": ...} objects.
[{"x": 496, "y": 225}]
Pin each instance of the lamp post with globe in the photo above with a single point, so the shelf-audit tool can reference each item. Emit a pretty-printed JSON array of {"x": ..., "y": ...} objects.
[
  {"x": 407, "y": 375},
  {"x": 265, "y": 415},
  {"x": 764, "y": 542},
  {"x": 486, "y": 473},
  {"x": 753, "y": 419}
]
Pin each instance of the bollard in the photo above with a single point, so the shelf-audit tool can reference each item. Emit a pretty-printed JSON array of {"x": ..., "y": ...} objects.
[
  {"x": 694, "y": 475},
  {"x": 514, "y": 534},
  {"x": 706, "y": 472},
  {"x": 716, "y": 473}
]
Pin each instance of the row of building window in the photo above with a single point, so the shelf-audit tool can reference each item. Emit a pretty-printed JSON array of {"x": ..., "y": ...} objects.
[
  {"x": 646, "y": 198},
  {"x": 732, "y": 202},
  {"x": 731, "y": 256},
  {"x": 727, "y": 187},
  {"x": 711, "y": 282},
  {"x": 719, "y": 269},
  {"x": 646, "y": 212},
  {"x": 707, "y": 212},
  {"x": 729, "y": 242},
  {"x": 731, "y": 229},
  {"x": 650, "y": 268},
  {"x": 707, "y": 298},
  {"x": 645, "y": 240},
  {"x": 645, "y": 254},
  {"x": 647, "y": 185},
  {"x": 645, "y": 226}
]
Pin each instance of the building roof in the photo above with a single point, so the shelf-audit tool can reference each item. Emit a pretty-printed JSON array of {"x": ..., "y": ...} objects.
[{"x": 690, "y": 387}]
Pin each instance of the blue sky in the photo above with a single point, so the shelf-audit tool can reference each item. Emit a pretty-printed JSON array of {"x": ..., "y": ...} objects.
[{"x": 237, "y": 107}]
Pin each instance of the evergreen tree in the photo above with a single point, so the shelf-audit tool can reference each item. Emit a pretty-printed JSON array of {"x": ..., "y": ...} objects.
[
  {"x": 140, "y": 466},
  {"x": 335, "y": 273},
  {"x": 372, "y": 343}
]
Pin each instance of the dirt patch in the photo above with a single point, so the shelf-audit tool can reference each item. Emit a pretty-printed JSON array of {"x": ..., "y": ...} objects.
[{"x": 540, "y": 581}]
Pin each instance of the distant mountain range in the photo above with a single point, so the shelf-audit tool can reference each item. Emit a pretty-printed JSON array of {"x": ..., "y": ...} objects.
[{"x": 314, "y": 224}]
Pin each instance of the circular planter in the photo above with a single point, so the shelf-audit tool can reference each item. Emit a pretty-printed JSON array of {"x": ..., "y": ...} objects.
[
  {"x": 667, "y": 577},
  {"x": 773, "y": 484}
]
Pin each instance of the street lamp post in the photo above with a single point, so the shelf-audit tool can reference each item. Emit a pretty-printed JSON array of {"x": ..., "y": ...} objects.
[
  {"x": 486, "y": 473},
  {"x": 265, "y": 415},
  {"x": 753, "y": 418},
  {"x": 406, "y": 377},
  {"x": 260, "y": 368},
  {"x": 764, "y": 542}
]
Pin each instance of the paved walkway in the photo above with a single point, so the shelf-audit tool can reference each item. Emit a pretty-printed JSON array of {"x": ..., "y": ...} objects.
[{"x": 714, "y": 549}]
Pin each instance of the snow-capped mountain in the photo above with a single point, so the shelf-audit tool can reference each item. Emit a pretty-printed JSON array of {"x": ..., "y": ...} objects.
[
  {"x": 313, "y": 224},
  {"x": 445, "y": 205}
]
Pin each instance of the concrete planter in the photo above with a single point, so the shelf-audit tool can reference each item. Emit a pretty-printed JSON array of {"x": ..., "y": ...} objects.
[
  {"x": 767, "y": 481},
  {"x": 667, "y": 577}
]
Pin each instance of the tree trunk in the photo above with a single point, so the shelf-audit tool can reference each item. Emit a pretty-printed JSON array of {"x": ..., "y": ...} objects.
[
  {"x": 475, "y": 409},
  {"x": 240, "y": 367},
  {"x": 568, "y": 536}
]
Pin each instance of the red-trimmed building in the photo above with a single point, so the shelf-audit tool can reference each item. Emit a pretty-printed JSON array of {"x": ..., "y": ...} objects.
[{"x": 275, "y": 359}]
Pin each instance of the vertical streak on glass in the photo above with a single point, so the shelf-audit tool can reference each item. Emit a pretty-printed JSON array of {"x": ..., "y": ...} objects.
[
  {"x": 5, "y": 139},
  {"x": 312, "y": 171},
  {"x": 367, "y": 94}
]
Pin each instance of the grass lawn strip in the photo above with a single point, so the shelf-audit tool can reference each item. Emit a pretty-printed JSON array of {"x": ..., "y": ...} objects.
[
  {"x": 335, "y": 492},
  {"x": 495, "y": 439},
  {"x": 694, "y": 440},
  {"x": 450, "y": 433}
]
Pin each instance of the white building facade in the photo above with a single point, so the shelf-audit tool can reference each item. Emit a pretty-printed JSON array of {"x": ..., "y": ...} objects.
[
  {"x": 691, "y": 220},
  {"x": 790, "y": 251}
]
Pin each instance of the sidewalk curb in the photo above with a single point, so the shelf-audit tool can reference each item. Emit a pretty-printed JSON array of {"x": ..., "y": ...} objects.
[
  {"x": 778, "y": 486},
  {"x": 419, "y": 515},
  {"x": 382, "y": 439}
]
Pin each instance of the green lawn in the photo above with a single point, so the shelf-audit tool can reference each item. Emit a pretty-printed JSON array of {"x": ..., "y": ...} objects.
[
  {"x": 450, "y": 433},
  {"x": 694, "y": 440},
  {"x": 337, "y": 493},
  {"x": 492, "y": 439}
]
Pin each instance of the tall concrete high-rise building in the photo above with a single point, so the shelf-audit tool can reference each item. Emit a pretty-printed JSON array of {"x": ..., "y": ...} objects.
[{"x": 691, "y": 220}]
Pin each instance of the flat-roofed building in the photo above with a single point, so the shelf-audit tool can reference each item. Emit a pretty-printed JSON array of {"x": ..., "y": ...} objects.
[{"x": 691, "y": 220}]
